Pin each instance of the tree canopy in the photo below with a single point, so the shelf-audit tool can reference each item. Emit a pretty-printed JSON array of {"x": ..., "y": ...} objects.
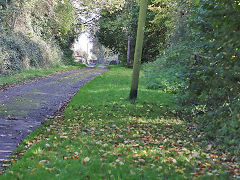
[{"x": 115, "y": 27}]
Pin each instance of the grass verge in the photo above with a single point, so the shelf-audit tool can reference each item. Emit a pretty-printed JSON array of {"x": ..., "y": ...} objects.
[
  {"x": 105, "y": 136},
  {"x": 33, "y": 73}
]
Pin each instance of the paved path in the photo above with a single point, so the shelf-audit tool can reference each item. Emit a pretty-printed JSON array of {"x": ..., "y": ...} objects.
[{"x": 24, "y": 108}]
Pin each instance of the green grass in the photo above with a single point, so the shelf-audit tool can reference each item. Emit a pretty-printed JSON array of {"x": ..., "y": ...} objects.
[
  {"x": 33, "y": 73},
  {"x": 105, "y": 136}
]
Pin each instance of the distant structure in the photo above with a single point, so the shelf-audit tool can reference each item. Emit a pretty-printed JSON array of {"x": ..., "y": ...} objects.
[
  {"x": 85, "y": 61},
  {"x": 80, "y": 59},
  {"x": 93, "y": 61},
  {"x": 114, "y": 62}
]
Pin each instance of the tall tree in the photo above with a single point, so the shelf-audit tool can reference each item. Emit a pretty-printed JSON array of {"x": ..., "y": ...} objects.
[
  {"x": 115, "y": 27},
  {"x": 129, "y": 50},
  {"x": 138, "y": 48}
]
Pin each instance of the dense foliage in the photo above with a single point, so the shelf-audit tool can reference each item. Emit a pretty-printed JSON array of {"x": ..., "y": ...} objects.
[
  {"x": 215, "y": 79},
  {"x": 203, "y": 62},
  {"x": 116, "y": 26},
  {"x": 34, "y": 33}
]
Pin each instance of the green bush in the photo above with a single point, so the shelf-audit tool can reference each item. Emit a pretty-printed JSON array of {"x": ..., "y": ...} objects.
[
  {"x": 169, "y": 71},
  {"x": 36, "y": 33},
  {"x": 20, "y": 52},
  {"x": 211, "y": 82},
  {"x": 215, "y": 79}
]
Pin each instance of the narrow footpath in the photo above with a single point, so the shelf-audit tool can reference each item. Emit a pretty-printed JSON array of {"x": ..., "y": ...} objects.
[{"x": 24, "y": 108}]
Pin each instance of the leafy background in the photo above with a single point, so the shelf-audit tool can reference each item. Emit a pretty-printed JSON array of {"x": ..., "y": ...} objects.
[{"x": 35, "y": 33}]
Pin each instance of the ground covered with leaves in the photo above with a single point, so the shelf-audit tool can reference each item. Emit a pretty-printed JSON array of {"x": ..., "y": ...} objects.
[{"x": 102, "y": 135}]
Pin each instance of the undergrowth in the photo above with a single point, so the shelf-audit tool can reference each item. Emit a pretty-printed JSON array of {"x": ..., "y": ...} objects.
[
  {"x": 202, "y": 66},
  {"x": 36, "y": 34}
]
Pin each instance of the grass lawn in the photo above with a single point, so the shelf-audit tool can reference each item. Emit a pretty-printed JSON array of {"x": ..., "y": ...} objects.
[
  {"x": 105, "y": 136},
  {"x": 33, "y": 73}
]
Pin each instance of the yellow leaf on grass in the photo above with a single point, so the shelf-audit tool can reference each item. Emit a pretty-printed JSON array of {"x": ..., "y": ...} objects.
[
  {"x": 207, "y": 164},
  {"x": 86, "y": 159}
]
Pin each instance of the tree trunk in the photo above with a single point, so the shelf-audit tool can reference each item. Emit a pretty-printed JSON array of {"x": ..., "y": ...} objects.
[
  {"x": 129, "y": 51},
  {"x": 138, "y": 49}
]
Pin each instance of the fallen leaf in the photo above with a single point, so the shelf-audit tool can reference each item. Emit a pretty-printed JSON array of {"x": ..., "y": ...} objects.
[
  {"x": 141, "y": 160},
  {"x": 86, "y": 159},
  {"x": 132, "y": 172}
]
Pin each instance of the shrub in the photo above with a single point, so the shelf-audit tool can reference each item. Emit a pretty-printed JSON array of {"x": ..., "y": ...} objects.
[
  {"x": 34, "y": 33},
  {"x": 215, "y": 79},
  {"x": 20, "y": 52},
  {"x": 169, "y": 72},
  {"x": 211, "y": 83}
]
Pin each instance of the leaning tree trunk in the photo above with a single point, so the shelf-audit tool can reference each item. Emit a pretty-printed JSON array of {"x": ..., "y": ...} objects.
[
  {"x": 138, "y": 49},
  {"x": 129, "y": 51}
]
